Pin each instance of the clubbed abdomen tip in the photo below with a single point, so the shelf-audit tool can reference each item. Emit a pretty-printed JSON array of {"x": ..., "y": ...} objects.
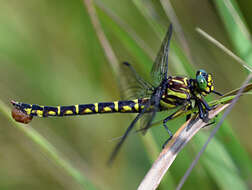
[{"x": 19, "y": 115}]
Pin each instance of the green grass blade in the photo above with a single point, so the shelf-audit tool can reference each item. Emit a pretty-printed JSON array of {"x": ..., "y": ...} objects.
[
  {"x": 239, "y": 35},
  {"x": 50, "y": 151},
  {"x": 221, "y": 167},
  {"x": 133, "y": 48},
  {"x": 181, "y": 62},
  {"x": 236, "y": 28}
]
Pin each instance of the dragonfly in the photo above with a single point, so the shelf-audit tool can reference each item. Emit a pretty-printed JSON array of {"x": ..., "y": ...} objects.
[{"x": 163, "y": 93}]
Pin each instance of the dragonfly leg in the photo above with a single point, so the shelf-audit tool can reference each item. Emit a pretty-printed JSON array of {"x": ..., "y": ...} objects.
[
  {"x": 203, "y": 101},
  {"x": 213, "y": 122},
  {"x": 218, "y": 93},
  {"x": 203, "y": 114},
  {"x": 189, "y": 115},
  {"x": 167, "y": 129},
  {"x": 174, "y": 115},
  {"x": 170, "y": 134}
]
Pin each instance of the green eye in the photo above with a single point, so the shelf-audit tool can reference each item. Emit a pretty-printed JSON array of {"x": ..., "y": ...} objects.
[{"x": 202, "y": 83}]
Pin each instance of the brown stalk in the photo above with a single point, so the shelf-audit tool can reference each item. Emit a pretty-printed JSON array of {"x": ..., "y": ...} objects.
[
  {"x": 167, "y": 156},
  {"x": 109, "y": 53}
]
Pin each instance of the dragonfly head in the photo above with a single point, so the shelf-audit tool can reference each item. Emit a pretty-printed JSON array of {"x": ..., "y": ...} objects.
[{"x": 204, "y": 82}]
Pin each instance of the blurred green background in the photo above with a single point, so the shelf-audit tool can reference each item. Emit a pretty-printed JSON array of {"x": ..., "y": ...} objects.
[{"x": 50, "y": 55}]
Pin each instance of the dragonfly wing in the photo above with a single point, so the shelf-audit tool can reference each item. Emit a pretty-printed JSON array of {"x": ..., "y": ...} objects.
[
  {"x": 148, "y": 117},
  {"x": 146, "y": 121},
  {"x": 129, "y": 129},
  {"x": 132, "y": 85},
  {"x": 160, "y": 67}
]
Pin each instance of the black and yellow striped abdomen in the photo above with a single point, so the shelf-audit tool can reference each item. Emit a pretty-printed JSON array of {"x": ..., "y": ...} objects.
[
  {"x": 129, "y": 106},
  {"x": 177, "y": 93}
]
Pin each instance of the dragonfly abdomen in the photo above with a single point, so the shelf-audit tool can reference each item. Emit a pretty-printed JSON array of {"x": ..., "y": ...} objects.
[{"x": 127, "y": 106}]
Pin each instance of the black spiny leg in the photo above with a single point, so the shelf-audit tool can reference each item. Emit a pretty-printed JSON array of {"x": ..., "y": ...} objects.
[
  {"x": 167, "y": 129},
  {"x": 206, "y": 104},
  {"x": 165, "y": 126},
  {"x": 189, "y": 115},
  {"x": 213, "y": 122},
  {"x": 218, "y": 93},
  {"x": 203, "y": 114},
  {"x": 170, "y": 117}
]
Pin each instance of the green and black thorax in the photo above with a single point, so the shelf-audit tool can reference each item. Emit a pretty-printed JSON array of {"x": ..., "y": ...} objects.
[{"x": 181, "y": 90}]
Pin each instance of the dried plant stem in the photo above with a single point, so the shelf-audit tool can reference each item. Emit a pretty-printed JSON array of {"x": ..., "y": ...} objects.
[
  {"x": 232, "y": 103},
  {"x": 225, "y": 49},
  {"x": 169, "y": 153},
  {"x": 170, "y": 12},
  {"x": 109, "y": 53}
]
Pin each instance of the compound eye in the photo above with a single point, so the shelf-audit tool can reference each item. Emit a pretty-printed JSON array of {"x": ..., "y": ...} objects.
[
  {"x": 201, "y": 72},
  {"x": 202, "y": 83}
]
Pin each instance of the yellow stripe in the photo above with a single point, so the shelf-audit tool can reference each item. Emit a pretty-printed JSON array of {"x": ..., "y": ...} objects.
[
  {"x": 28, "y": 110},
  {"x": 166, "y": 105},
  {"x": 178, "y": 81},
  {"x": 87, "y": 110},
  {"x": 107, "y": 109},
  {"x": 209, "y": 77},
  {"x": 96, "y": 107},
  {"x": 51, "y": 113},
  {"x": 126, "y": 108},
  {"x": 177, "y": 94},
  {"x": 77, "y": 109},
  {"x": 184, "y": 89},
  {"x": 136, "y": 106},
  {"x": 116, "y": 105},
  {"x": 39, "y": 113},
  {"x": 185, "y": 81},
  {"x": 68, "y": 112},
  {"x": 207, "y": 89},
  {"x": 171, "y": 99},
  {"x": 58, "y": 110}
]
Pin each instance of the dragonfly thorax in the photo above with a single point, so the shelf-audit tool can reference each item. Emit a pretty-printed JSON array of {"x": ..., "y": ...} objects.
[{"x": 177, "y": 92}]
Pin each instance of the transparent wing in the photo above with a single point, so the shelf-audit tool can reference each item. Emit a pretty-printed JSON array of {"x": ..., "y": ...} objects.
[
  {"x": 133, "y": 85},
  {"x": 158, "y": 73},
  {"x": 146, "y": 121},
  {"x": 148, "y": 117},
  {"x": 160, "y": 67}
]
